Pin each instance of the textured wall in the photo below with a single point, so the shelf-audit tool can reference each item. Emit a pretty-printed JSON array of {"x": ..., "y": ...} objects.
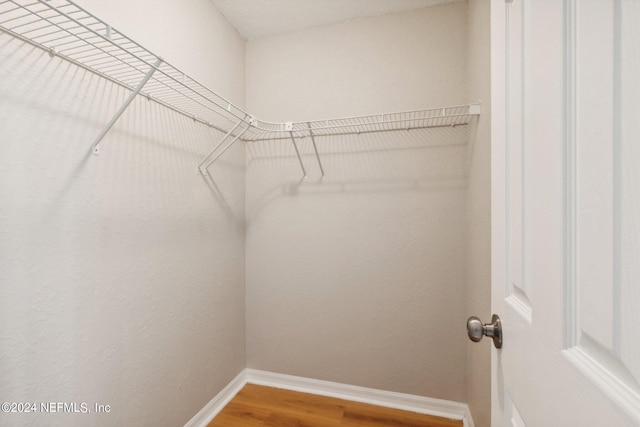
[
  {"x": 259, "y": 18},
  {"x": 394, "y": 62},
  {"x": 123, "y": 275},
  {"x": 479, "y": 211},
  {"x": 190, "y": 34},
  {"x": 360, "y": 279}
]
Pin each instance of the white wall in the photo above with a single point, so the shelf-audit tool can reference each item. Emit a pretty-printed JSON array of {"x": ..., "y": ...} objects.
[
  {"x": 395, "y": 62},
  {"x": 479, "y": 210},
  {"x": 191, "y": 35},
  {"x": 123, "y": 275},
  {"x": 360, "y": 279}
]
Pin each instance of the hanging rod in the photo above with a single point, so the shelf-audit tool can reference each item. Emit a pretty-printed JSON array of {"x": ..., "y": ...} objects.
[{"x": 70, "y": 32}]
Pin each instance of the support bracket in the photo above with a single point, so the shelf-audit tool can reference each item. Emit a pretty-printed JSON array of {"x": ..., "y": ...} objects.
[
  {"x": 233, "y": 141},
  {"x": 304, "y": 171},
  {"x": 224, "y": 138},
  {"x": 95, "y": 149},
  {"x": 313, "y": 141}
]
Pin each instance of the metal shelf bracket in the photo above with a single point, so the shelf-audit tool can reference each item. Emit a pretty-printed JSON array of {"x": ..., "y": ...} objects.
[
  {"x": 224, "y": 138},
  {"x": 304, "y": 171},
  {"x": 95, "y": 149},
  {"x": 315, "y": 148},
  {"x": 204, "y": 171}
]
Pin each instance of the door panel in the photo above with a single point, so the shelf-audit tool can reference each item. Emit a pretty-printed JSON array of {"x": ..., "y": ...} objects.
[
  {"x": 594, "y": 181},
  {"x": 565, "y": 212},
  {"x": 518, "y": 283},
  {"x": 515, "y": 418},
  {"x": 627, "y": 160},
  {"x": 604, "y": 343}
]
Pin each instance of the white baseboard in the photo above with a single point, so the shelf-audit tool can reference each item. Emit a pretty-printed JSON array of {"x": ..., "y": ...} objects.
[
  {"x": 389, "y": 399},
  {"x": 215, "y": 405}
]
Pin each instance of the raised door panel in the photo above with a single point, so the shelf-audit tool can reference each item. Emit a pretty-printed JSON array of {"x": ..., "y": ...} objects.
[
  {"x": 604, "y": 342},
  {"x": 517, "y": 139}
]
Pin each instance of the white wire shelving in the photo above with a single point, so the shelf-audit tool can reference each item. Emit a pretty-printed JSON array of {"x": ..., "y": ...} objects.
[{"x": 68, "y": 31}]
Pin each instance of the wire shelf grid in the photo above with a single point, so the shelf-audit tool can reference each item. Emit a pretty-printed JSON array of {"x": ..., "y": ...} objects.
[{"x": 67, "y": 30}]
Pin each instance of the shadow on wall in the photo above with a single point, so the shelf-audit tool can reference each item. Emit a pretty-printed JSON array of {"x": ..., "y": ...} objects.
[
  {"x": 417, "y": 160},
  {"x": 353, "y": 279},
  {"x": 150, "y": 141},
  {"x": 113, "y": 267}
]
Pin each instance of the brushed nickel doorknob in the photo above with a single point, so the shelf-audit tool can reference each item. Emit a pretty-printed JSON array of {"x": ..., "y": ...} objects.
[{"x": 476, "y": 330}]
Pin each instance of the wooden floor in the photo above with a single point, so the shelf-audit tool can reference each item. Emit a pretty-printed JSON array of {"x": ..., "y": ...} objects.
[{"x": 265, "y": 406}]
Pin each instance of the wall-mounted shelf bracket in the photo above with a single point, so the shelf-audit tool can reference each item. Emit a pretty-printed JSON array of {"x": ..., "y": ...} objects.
[
  {"x": 95, "y": 149},
  {"x": 204, "y": 171},
  {"x": 315, "y": 148},
  {"x": 304, "y": 171},
  {"x": 224, "y": 138}
]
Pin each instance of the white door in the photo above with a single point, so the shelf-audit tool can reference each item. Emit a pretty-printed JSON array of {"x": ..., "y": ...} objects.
[{"x": 566, "y": 212}]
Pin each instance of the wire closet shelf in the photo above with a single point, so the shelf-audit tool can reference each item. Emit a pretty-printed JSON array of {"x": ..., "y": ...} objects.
[{"x": 68, "y": 31}]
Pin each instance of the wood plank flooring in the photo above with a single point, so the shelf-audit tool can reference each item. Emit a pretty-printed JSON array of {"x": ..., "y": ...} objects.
[{"x": 259, "y": 406}]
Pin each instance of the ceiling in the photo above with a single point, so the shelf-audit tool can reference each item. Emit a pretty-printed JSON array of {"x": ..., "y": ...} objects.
[{"x": 259, "y": 18}]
